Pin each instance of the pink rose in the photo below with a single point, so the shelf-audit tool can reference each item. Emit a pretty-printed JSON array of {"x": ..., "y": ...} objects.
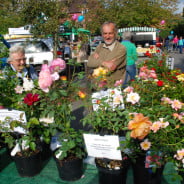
[
  {"x": 143, "y": 75},
  {"x": 45, "y": 78},
  {"x": 57, "y": 65}
]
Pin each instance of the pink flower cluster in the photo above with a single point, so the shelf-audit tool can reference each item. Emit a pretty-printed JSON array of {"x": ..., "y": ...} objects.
[
  {"x": 145, "y": 73},
  {"x": 48, "y": 74},
  {"x": 179, "y": 116},
  {"x": 159, "y": 124},
  {"x": 175, "y": 104}
]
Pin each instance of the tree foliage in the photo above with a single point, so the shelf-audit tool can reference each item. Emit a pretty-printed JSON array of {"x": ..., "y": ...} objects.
[
  {"x": 130, "y": 12},
  {"x": 45, "y": 17},
  {"x": 9, "y": 16}
]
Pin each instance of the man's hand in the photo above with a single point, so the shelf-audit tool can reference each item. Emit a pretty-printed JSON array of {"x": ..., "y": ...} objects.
[{"x": 109, "y": 64}]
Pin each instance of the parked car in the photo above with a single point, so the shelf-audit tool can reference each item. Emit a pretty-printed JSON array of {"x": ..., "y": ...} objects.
[{"x": 37, "y": 51}]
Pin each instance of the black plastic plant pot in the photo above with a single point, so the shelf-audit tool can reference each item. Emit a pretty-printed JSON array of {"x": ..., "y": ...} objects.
[
  {"x": 144, "y": 175},
  {"x": 28, "y": 166},
  {"x": 70, "y": 170},
  {"x": 112, "y": 176}
]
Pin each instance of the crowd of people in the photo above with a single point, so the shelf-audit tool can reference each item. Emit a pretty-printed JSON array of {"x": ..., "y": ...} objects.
[{"x": 174, "y": 44}]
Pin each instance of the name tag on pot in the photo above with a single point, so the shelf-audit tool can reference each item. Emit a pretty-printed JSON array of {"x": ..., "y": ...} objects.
[
  {"x": 6, "y": 116},
  {"x": 103, "y": 146}
]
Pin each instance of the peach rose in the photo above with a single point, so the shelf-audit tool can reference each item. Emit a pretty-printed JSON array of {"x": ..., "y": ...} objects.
[{"x": 140, "y": 126}]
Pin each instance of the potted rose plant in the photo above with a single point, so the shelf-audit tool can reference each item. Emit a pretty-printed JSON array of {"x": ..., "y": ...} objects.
[
  {"x": 107, "y": 117},
  {"x": 60, "y": 95},
  {"x": 26, "y": 97},
  {"x": 154, "y": 107}
]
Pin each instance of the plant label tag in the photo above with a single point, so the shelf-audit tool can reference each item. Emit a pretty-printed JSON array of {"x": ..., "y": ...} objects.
[
  {"x": 103, "y": 146},
  {"x": 6, "y": 116}
]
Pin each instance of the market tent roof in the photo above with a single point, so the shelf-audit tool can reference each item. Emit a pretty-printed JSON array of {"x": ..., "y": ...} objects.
[
  {"x": 136, "y": 29},
  {"x": 75, "y": 31},
  {"x": 83, "y": 30}
]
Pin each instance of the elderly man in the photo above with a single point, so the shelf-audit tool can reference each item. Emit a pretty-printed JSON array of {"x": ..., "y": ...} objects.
[
  {"x": 17, "y": 63},
  {"x": 110, "y": 54}
]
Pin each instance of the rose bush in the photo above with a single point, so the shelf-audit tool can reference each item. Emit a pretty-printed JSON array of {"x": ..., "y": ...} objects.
[
  {"x": 155, "y": 109},
  {"x": 46, "y": 103},
  {"x": 150, "y": 111}
]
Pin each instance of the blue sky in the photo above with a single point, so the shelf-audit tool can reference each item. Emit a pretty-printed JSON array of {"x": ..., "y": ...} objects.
[{"x": 180, "y": 6}]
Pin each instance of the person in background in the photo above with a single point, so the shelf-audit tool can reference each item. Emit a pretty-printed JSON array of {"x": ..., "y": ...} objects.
[
  {"x": 180, "y": 45},
  {"x": 166, "y": 44},
  {"x": 17, "y": 63},
  {"x": 131, "y": 57},
  {"x": 175, "y": 43},
  {"x": 111, "y": 54}
]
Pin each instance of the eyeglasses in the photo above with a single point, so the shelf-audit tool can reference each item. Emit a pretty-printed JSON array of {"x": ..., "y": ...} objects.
[{"x": 19, "y": 60}]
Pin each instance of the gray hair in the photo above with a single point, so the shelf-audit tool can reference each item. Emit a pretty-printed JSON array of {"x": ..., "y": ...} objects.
[
  {"x": 15, "y": 49},
  {"x": 107, "y": 23},
  {"x": 127, "y": 35}
]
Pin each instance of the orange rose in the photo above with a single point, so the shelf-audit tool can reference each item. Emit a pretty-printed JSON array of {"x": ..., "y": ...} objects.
[
  {"x": 81, "y": 94},
  {"x": 140, "y": 126},
  {"x": 63, "y": 77}
]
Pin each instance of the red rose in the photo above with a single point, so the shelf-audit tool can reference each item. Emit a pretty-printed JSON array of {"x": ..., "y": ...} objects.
[
  {"x": 160, "y": 83},
  {"x": 31, "y": 98},
  {"x": 147, "y": 54}
]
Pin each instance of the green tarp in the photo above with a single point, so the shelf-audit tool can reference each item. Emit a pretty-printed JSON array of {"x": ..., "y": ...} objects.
[{"x": 49, "y": 173}]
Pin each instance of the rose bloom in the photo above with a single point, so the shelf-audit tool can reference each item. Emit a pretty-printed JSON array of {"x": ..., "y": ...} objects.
[
  {"x": 180, "y": 77},
  {"x": 118, "y": 99},
  {"x": 99, "y": 72},
  {"x": 81, "y": 94},
  {"x": 57, "y": 65},
  {"x": 176, "y": 104},
  {"x": 143, "y": 75},
  {"x": 118, "y": 83},
  {"x": 140, "y": 126},
  {"x": 152, "y": 74},
  {"x": 160, "y": 83},
  {"x": 55, "y": 76},
  {"x": 31, "y": 98},
  {"x": 166, "y": 100},
  {"x": 45, "y": 79},
  {"x": 133, "y": 97},
  {"x": 128, "y": 89},
  {"x": 145, "y": 145},
  {"x": 180, "y": 154},
  {"x": 156, "y": 126},
  {"x": 142, "y": 69},
  {"x": 28, "y": 85},
  {"x": 63, "y": 78},
  {"x": 163, "y": 123},
  {"x": 19, "y": 89},
  {"x": 102, "y": 83}
]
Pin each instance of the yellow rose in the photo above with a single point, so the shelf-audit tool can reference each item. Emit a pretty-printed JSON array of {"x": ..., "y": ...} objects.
[
  {"x": 99, "y": 72},
  {"x": 140, "y": 126}
]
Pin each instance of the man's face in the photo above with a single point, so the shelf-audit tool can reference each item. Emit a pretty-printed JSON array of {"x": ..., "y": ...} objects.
[
  {"x": 18, "y": 61},
  {"x": 108, "y": 34}
]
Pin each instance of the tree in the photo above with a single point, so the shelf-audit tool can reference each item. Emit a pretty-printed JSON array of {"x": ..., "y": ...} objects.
[
  {"x": 130, "y": 12},
  {"x": 45, "y": 17},
  {"x": 9, "y": 16}
]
